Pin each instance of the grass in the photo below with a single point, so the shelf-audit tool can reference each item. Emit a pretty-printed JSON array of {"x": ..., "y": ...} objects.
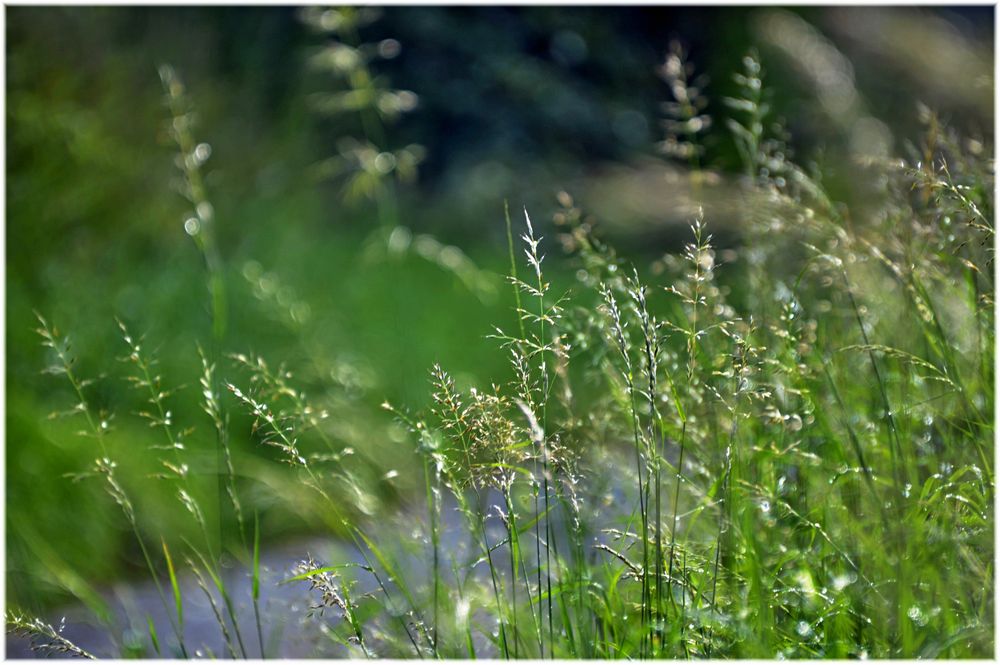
[{"x": 733, "y": 452}]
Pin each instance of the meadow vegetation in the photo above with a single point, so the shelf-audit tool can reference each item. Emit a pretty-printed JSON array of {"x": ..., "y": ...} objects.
[{"x": 777, "y": 448}]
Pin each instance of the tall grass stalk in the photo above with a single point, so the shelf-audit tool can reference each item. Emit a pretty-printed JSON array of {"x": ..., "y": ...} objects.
[{"x": 98, "y": 425}]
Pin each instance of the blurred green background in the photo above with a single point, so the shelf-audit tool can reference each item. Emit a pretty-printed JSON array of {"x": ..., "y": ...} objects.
[{"x": 359, "y": 295}]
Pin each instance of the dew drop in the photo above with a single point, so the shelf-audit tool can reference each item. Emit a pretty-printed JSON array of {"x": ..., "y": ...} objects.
[
  {"x": 389, "y": 48},
  {"x": 192, "y": 226},
  {"x": 842, "y": 581},
  {"x": 385, "y": 162},
  {"x": 917, "y": 615},
  {"x": 202, "y": 152}
]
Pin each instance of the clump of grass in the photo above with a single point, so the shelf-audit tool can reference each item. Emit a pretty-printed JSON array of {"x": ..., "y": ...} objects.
[
  {"x": 98, "y": 423},
  {"x": 794, "y": 523},
  {"x": 333, "y": 594}
]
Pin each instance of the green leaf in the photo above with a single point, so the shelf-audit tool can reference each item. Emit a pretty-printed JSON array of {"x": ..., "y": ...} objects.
[
  {"x": 152, "y": 634},
  {"x": 174, "y": 585}
]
